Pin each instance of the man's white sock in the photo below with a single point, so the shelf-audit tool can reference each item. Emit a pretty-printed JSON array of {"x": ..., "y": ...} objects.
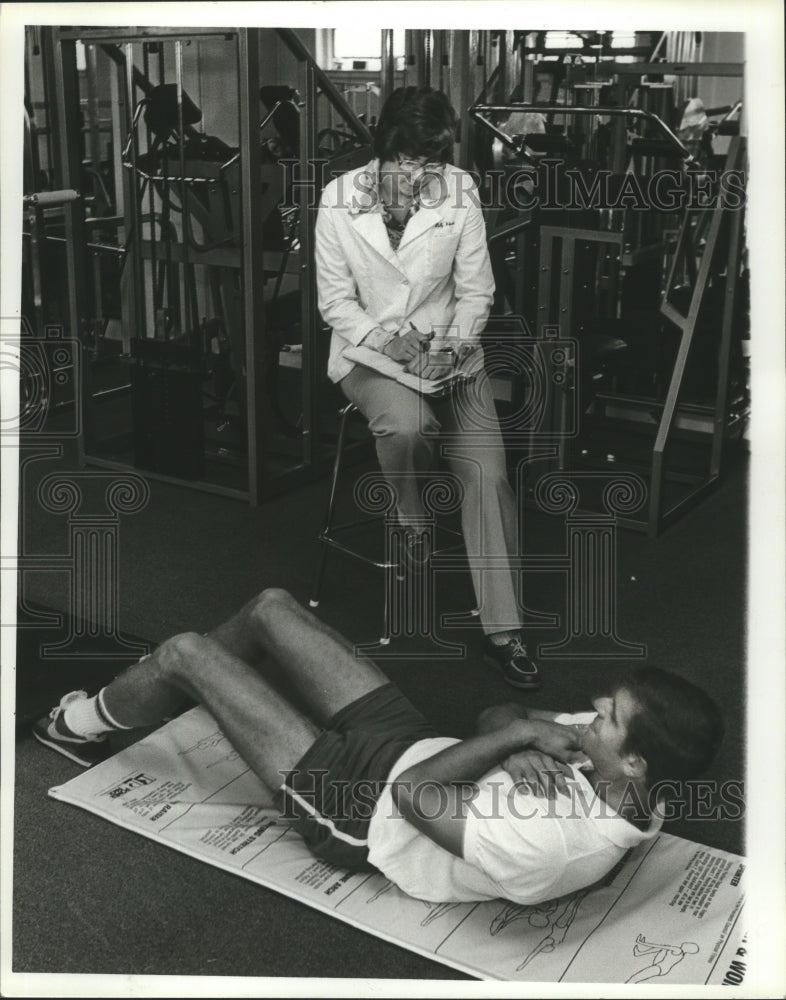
[
  {"x": 104, "y": 711},
  {"x": 88, "y": 717}
]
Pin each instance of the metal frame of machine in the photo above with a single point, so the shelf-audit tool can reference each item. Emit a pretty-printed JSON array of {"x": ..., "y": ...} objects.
[
  {"x": 479, "y": 70},
  {"x": 245, "y": 256},
  {"x": 690, "y": 252}
]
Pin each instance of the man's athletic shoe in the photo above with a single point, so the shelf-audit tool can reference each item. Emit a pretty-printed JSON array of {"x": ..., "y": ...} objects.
[
  {"x": 518, "y": 667},
  {"x": 55, "y": 734}
]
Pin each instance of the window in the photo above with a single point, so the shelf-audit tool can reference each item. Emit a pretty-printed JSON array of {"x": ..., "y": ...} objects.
[
  {"x": 563, "y": 40},
  {"x": 357, "y": 44},
  {"x": 623, "y": 39}
]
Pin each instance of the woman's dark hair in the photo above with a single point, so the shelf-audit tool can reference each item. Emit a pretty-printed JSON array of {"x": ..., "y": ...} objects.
[
  {"x": 416, "y": 121},
  {"x": 677, "y": 729}
]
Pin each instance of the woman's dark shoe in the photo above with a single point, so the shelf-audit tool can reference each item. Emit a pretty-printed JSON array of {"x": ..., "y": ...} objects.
[{"x": 518, "y": 667}]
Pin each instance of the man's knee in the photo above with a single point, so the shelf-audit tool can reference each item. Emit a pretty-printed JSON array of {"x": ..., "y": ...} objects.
[
  {"x": 272, "y": 601},
  {"x": 178, "y": 653}
]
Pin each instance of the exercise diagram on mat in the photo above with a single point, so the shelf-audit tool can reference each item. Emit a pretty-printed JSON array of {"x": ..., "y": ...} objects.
[{"x": 669, "y": 911}]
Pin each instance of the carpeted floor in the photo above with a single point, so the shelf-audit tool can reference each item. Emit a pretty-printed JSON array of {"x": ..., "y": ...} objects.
[{"x": 91, "y": 898}]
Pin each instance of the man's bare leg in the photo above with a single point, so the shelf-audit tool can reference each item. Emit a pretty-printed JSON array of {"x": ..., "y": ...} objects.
[
  {"x": 320, "y": 662},
  {"x": 220, "y": 671},
  {"x": 268, "y": 733}
]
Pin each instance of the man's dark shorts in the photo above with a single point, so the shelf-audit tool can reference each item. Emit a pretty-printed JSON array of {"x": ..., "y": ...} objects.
[{"x": 330, "y": 795}]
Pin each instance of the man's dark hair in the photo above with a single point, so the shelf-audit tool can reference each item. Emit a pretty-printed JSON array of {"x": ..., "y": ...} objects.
[
  {"x": 677, "y": 729},
  {"x": 416, "y": 121}
]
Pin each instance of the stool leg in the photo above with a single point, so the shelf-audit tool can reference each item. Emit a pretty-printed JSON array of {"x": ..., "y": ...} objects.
[
  {"x": 390, "y": 582},
  {"x": 317, "y": 591}
]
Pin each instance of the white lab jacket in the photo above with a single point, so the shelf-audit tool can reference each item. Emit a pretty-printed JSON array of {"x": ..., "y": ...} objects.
[{"x": 440, "y": 278}]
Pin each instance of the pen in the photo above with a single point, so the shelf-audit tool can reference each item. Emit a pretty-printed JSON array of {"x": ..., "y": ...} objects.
[{"x": 424, "y": 345}]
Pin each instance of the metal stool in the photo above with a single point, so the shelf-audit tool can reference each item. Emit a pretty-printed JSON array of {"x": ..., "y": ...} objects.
[{"x": 392, "y": 568}]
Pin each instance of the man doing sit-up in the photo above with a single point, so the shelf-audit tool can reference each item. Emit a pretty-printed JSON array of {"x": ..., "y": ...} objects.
[{"x": 369, "y": 784}]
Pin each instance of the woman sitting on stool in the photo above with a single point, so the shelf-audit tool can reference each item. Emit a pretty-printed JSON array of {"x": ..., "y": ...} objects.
[{"x": 403, "y": 269}]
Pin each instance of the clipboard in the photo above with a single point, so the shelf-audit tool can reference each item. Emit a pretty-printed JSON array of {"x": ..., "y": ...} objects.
[{"x": 435, "y": 388}]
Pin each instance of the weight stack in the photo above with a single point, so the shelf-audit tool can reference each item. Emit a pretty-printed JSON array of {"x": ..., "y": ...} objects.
[{"x": 169, "y": 432}]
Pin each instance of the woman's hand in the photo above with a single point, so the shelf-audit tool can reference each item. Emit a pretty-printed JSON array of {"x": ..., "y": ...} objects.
[
  {"x": 407, "y": 346},
  {"x": 432, "y": 364},
  {"x": 463, "y": 350}
]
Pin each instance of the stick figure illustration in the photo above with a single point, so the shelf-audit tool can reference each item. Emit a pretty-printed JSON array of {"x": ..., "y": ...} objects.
[
  {"x": 556, "y": 914},
  {"x": 386, "y": 887},
  {"x": 664, "y": 957},
  {"x": 536, "y": 916},
  {"x": 435, "y": 911},
  {"x": 558, "y": 929}
]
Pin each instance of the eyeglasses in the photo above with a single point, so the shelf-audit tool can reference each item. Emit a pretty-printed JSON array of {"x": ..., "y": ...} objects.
[{"x": 415, "y": 163}]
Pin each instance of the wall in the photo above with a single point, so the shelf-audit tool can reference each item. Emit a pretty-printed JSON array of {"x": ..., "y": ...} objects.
[{"x": 728, "y": 47}]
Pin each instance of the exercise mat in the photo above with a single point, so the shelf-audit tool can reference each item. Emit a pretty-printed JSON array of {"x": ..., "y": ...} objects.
[{"x": 669, "y": 913}]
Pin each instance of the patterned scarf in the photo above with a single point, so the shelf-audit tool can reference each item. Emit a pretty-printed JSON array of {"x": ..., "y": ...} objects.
[{"x": 369, "y": 199}]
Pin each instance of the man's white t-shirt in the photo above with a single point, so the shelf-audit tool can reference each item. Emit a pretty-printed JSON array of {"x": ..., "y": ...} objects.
[{"x": 516, "y": 845}]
